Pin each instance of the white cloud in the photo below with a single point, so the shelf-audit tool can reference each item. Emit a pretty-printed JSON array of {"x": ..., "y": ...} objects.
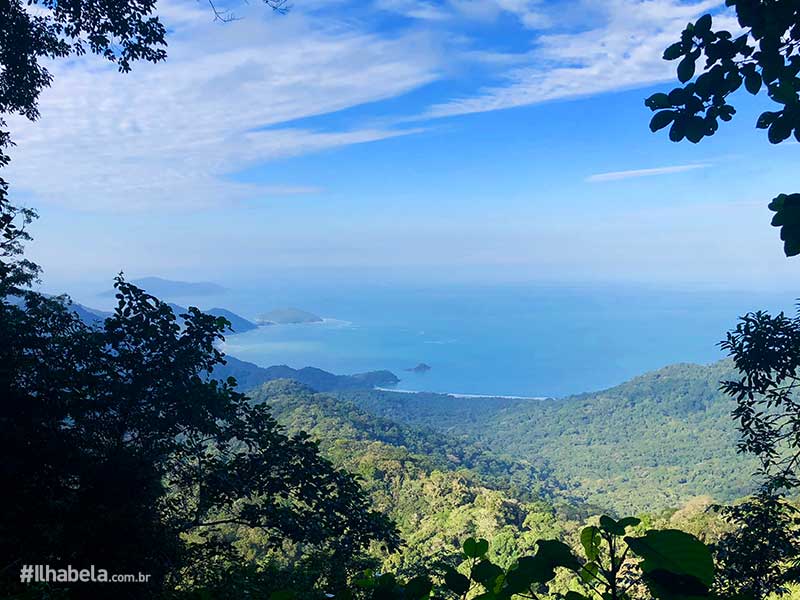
[
  {"x": 414, "y": 9},
  {"x": 624, "y": 51},
  {"x": 170, "y": 135},
  {"x": 617, "y": 175},
  {"x": 231, "y": 95},
  {"x": 530, "y": 13}
]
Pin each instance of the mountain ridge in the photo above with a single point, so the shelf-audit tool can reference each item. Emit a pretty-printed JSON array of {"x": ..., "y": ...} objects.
[
  {"x": 249, "y": 375},
  {"x": 649, "y": 443},
  {"x": 169, "y": 288}
]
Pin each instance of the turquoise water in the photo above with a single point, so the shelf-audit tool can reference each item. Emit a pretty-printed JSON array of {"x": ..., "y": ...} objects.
[{"x": 520, "y": 340}]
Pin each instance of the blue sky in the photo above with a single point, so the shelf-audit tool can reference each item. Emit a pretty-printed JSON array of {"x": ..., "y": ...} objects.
[{"x": 464, "y": 139}]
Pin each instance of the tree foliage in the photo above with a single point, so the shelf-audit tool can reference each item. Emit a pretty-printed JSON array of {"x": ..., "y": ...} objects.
[
  {"x": 644, "y": 445},
  {"x": 760, "y": 556},
  {"x": 766, "y": 352},
  {"x": 118, "y": 445},
  {"x": 713, "y": 64},
  {"x": 671, "y": 564}
]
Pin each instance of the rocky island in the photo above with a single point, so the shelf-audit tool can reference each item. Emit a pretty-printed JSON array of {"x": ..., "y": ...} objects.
[{"x": 420, "y": 368}]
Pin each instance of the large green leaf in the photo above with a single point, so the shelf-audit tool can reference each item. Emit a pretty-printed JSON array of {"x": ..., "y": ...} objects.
[
  {"x": 418, "y": 588},
  {"x": 675, "y": 563},
  {"x": 589, "y": 572},
  {"x": 590, "y": 539},
  {"x": 557, "y": 554},
  {"x": 529, "y": 570},
  {"x": 486, "y": 573},
  {"x": 475, "y": 548},
  {"x": 617, "y": 527},
  {"x": 629, "y": 522},
  {"x": 456, "y": 582}
]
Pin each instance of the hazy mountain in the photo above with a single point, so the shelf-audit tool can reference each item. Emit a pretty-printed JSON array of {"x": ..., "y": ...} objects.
[
  {"x": 165, "y": 288},
  {"x": 238, "y": 324},
  {"x": 90, "y": 316}
]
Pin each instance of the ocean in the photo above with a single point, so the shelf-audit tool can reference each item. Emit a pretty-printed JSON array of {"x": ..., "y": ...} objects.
[{"x": 529, "y": 340}]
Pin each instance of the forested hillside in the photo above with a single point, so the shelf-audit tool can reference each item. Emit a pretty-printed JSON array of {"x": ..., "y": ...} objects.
[
  {"x": 249, "y": 376},
  {"x": 650, "y": 443},
  {"x": 439, "y": 489}
]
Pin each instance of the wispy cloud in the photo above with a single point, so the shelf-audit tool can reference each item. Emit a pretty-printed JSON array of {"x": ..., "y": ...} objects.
[
  {"x": 621, "y": 49},
  {"x": 230, "y": 96},
  {"x": 414, "y": 9},
  {"x": 170, "y": 135},
  {"x": 617, "y": 175},
  {"x": 530, "y": 13}
]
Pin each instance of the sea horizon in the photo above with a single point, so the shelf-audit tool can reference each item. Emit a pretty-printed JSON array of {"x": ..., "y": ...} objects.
[{"x": 526, "y": 341}]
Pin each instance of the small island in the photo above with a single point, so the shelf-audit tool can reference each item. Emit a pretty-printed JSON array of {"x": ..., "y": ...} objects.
[
  {"x": 288, "y": 316},
  {"x": 420, "y": 368}
]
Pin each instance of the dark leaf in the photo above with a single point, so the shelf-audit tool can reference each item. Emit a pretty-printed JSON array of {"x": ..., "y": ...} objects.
[
  {"x": 686, "y": 69},
  {"x": 674, "y": 51},
  {"x": 456, "y": 582},
  {"x": 661, "y": 119},
  {"x": 675, "y": 552}
]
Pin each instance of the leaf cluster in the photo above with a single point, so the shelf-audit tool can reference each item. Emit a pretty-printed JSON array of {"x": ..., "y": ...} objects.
[
  {"x": 673, "y": 564},
  {"x": 764, "y": 55}
]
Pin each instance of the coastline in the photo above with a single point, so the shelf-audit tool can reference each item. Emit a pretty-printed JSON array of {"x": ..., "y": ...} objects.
[{"x": 457, "y": 395}]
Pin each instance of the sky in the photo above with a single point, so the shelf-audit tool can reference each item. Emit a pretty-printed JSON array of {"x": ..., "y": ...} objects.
[{"x": 459, "y": 139}]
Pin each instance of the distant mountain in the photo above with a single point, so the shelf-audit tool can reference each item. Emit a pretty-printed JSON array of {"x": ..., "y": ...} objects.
[
  {"x": 650, "y": 443},
  {"x": 177, "y": 309},
  {"x": 249, "y": 375},
  {"x": 238, "y": 324},
  {"x": 287, "y": 316},
  {"x": 90, "y": 316},
  {"x": 167, "y": 288}
]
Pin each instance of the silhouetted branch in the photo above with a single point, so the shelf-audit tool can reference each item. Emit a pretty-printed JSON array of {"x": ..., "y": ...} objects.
[{"x": 226, "y": 16}]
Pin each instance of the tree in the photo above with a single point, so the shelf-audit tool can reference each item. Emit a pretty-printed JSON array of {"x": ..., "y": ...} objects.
[
  {"x": 117, "y": 443},
  {"x": 765, "y": 55},
  {"x": 672, "y": 564},
  {"x": 759, "y": 557},
  {"x": 766, "y": 352}
]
